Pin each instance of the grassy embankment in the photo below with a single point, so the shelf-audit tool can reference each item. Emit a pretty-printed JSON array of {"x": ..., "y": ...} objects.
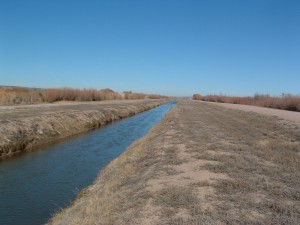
[
  {"x": 285, "y": 102},
  {"x": 25, "y": 128},
  {"x": 203, "y": 164},
  {"x": 18, "y": 95}
]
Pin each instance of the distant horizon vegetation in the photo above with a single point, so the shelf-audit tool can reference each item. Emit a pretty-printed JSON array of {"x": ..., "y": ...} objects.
[
  {"x": 285, "y": 101},
  {"x": 206, "y": 97},
  {"x": 12, "y": 95},
  {"x": 206, "y": 93}
]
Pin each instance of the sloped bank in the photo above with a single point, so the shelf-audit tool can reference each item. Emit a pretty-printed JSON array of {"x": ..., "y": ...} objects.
[{"x": 31, "y": 127}]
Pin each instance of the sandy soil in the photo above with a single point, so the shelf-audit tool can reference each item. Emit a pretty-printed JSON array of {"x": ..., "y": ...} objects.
[
  {"x": 24, "y": 128},
  {"x": 203, "y": 164}
]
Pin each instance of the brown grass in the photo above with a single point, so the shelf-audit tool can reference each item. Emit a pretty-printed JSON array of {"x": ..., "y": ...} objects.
[
  {"x": 12, "y": 148},
  {"x": 18, "y": 95},
  {"x": 13, "y": 96},
  {"x": 69, "y": 94},
  {"x": 285, "y": 102}
]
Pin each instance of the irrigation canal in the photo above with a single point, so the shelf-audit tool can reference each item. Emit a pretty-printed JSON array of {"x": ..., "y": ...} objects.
[{"x": 35, "y": 185}]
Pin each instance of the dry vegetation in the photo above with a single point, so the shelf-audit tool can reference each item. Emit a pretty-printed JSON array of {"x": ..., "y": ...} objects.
[
  {"x": 286, "y": 101},
  {"x": 16, "y": 95},
  {"x": 203, "y": 164},
  {"x": 12, "y": 96}
]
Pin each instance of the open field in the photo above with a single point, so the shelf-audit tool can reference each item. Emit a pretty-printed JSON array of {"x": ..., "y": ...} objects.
[
  {"x": 25, "y": 127},
  {"x": 203, "y": 164},
  {"x": 285, "y": 102}
]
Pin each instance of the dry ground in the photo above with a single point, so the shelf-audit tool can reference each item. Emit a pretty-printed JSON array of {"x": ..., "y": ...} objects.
[
  {"x": 203, "y": 164},
  {"x": 23, "y": 128},
  {"x": 283, "y": 114}
]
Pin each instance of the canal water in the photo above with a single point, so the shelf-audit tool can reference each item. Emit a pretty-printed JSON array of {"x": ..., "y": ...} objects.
[{"x": 38, "y": 184}]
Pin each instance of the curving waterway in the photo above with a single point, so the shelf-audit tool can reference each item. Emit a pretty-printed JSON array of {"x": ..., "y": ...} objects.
[{"x": 38, "y": 184}]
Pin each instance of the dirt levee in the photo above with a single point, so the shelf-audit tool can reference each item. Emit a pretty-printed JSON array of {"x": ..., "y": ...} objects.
[
  {"x": 203, "y": 164},
  {"x": 25, "y": 127}
]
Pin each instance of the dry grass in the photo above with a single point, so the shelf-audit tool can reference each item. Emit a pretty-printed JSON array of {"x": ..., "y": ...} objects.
[
  {"x": 12, "y": 148},
  {"x": 68, "y": 94},
  {"x": 203, "y": 164},
  {"x": 16, "y": 95},
  {"x": 286, "y": 102}
]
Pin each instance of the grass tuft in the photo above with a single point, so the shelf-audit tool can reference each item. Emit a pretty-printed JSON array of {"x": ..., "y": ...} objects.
[{"x": 16, "y": 146}]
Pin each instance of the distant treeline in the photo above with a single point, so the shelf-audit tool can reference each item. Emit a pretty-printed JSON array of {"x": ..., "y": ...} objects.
[
  {"x": 285, "y": 102},
  {"x": 18, "y": 95}
]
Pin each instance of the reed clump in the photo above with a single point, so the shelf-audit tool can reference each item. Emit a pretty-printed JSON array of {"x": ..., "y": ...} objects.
[{"x": 20, "y": 95}]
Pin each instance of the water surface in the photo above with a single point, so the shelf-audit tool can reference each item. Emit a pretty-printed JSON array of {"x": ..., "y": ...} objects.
[{"x": 36, "y": 185}]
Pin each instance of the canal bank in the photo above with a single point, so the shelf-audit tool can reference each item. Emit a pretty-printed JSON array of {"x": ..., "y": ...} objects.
[{"x": 24, "y": 128}]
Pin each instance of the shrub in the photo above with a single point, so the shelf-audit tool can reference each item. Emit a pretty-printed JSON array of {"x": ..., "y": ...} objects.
[{"x": 197, "y": 97}]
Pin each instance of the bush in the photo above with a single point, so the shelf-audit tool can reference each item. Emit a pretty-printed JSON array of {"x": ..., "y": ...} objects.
[{"x": 197, "y": 97}]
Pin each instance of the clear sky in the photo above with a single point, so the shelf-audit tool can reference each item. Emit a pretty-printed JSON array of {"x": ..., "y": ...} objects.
[{"x": 169, "y": 47}]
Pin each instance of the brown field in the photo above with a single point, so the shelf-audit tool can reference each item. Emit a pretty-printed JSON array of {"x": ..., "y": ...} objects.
[
  {"x": 18, "y": 95},
  {"x": 203, "y": 164},
  {"x": 286, "y": 102},
  {"x": 25, "y": 127}
]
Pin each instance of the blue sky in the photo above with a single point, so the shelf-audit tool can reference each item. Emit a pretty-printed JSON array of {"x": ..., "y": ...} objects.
[{"x": 169, "y": 47}]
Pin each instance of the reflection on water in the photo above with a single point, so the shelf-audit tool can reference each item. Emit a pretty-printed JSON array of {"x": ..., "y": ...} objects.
[{"x": 35, "y": 185}]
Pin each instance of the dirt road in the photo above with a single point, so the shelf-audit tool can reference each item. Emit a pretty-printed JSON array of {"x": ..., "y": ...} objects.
[
  {"x": 203, "y": 164},
  {"x": 25, "y": 127},
  {"x": 283, "y": 114}
]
